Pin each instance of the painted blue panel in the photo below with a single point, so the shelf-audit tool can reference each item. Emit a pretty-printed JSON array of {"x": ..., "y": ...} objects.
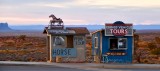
[
  {"x": 127, "y": 58},
  {"x": 64, "y": 52},
  {"x": 117, "y": 58}
]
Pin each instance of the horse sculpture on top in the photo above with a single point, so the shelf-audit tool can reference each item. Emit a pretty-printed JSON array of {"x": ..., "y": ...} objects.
[{"x": 55, "y": 20}]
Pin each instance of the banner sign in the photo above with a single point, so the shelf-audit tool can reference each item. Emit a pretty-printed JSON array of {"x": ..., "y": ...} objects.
[
  {"x": 61, "y": 31},
  {"x": 118, "y": 30},
  {"x": 64, "y": 52},
  {"x": 116, "y": 53}
]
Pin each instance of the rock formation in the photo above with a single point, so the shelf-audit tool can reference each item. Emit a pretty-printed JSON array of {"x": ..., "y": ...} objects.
[{"x": 4, "y": 26}]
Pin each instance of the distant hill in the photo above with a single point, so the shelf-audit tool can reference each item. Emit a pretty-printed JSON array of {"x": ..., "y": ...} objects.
[
  {"x": 139, "y": 28},
  {"x": 4, "y": 27},
  {"x": 92, "y": 27},
  {"x": 28, "y": 27}
]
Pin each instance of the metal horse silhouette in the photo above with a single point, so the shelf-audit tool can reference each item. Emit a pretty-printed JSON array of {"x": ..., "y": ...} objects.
[{"x": 55, "y": 20}]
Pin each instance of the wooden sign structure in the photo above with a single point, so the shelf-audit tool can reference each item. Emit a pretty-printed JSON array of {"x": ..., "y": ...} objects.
[
  {"x": 115, "y": 42},
  {"x": 55, "y": 20},
  {"x": 66, "y": 43}
]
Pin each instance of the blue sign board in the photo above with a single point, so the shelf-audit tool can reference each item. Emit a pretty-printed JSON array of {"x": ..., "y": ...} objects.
[{"x": 64, "y": 52}]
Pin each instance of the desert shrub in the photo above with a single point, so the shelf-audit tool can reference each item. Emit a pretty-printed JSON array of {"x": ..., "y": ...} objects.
[
  {"x": 89, "y": 48},
  {"x": 12, "y": 51},
  {"x": 18, "y": 59},
  {"x": 136, "y": 41},
  {"x": 136, "y": 37},
  {"x": 18, "y": 46},
  {"x": 152, "y": 45},
  {"x": 157, "y": 39},
  {"x": 22, "y": 37},
  {"x": 145, "y": 61},
  {"x": 88, "y": 37},
  {"x": 30, "y": 59},
  {"x": 88, "y": 52},
  {"x": 156, "y": 51},
  {"x": 9, "y": 43},
  {"x": 89, "y": 43},
  {"x": 141, "y": 43},
  {"x": 27, "y": 44},
  {"x": 6, "y": 51},
  {"x": 42, "y": 44},
  {"x": 22, "y": 52}
]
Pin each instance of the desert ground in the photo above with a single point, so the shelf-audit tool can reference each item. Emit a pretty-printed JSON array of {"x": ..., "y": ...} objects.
[
  {"x": 23, "y": 46},
  {"x": 31, "y": 46}
]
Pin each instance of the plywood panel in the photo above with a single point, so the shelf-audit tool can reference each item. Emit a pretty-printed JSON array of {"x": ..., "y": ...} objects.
[{"x": 69, "y": 41}]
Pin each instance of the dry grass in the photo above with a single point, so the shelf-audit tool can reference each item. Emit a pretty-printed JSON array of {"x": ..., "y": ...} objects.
[{"x": 28, "y": 49}]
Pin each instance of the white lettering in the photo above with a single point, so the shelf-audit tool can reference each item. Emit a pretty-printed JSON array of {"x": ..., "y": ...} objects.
[
  {"x": 111, "y": 30},
  {"x": 119, "y": 31}
]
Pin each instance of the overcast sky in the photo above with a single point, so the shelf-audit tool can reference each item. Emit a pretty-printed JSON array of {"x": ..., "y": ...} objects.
[{"x": 81, "y": 12}]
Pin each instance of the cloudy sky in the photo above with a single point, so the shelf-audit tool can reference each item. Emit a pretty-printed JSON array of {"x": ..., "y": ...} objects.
[{"x": 81, "y": 12}]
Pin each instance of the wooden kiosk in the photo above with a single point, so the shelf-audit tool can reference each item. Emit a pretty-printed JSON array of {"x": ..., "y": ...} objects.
[
  {"x": 114, "y": 44},
  {"x": 65, "y": 44}
]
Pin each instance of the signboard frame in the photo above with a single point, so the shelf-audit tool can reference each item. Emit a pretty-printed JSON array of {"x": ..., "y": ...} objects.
[
  {"x": 118, "y": 26},
  {"x": 58, "y": 32}
]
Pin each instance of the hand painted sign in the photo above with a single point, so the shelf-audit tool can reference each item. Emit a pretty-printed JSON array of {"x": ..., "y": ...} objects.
[
  {"x": 116, "y": 53},
  {"x": 118, "y": 30},
  {"x": 106, "y": 59},
  {"x": 79, "y": 40},
  {"x": 64, "y": 52},
  {"x": 61, "y": 31}
]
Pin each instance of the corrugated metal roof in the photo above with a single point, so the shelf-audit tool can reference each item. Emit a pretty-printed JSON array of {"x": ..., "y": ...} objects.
[
  {"x": 79, "y": 30},
  {"x": 70, "y": 30}
]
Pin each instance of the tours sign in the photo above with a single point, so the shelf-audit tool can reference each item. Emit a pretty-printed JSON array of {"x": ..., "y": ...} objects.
[{"x": 118, "y": 30}]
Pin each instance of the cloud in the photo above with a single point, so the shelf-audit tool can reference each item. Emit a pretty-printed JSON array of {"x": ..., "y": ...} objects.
[
  {"x": 55, "y": 5},
  {"x": 81, "y": 11},
  {"x": 134, "y": 3},
  {"x": 22, "y": 20},
  {"x": 75, "y": 21},
  {"x": 44, "y": 21}
]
